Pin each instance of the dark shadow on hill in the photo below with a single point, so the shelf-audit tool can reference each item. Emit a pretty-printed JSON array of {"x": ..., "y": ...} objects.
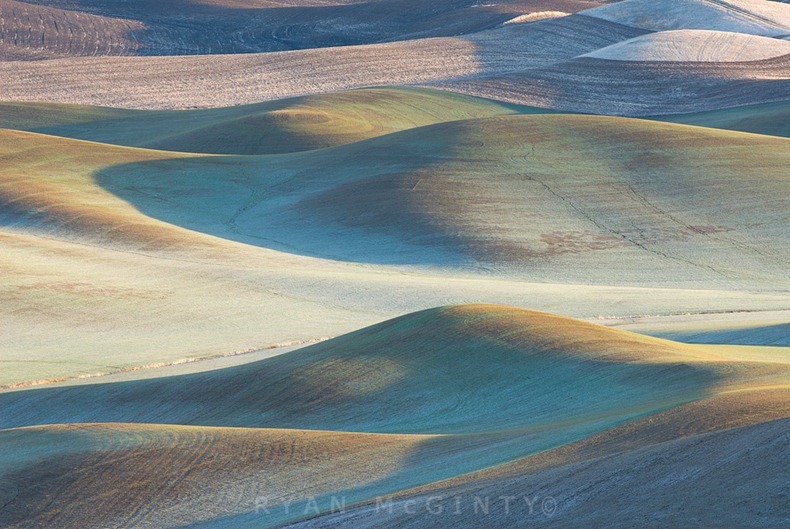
[
  {"x": 769, "y": 335},
  {"x": 371, "y": 201},
  {"x": 649, "y": 89},
  {"x": 767, "y": 118},
  {"x": 521, "y": 47}
]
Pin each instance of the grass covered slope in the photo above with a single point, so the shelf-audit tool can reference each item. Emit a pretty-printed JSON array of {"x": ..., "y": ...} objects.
[
  {"x": 759, "y": 328},
  {"x": 462, "y": 369},
  {"x": 291, "y": 125},
  {"x": 120, "y": 475},
  {"x": 220, "y": 477},
  {"x": 312, "y": 122},
  {"x": 577, "y": 198},
  {"x": 549, "y": 399},
  {"x": 93, "y": 251},
  {"x": 73, "y": 310},
  {"x": 216, "y": 316},
  {"x": 45, "y": 183},
  {"x": 553, "y": 198},
  {"x": 143, "y": 475}
]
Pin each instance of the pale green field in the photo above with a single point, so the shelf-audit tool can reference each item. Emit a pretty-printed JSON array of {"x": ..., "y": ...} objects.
[
  {"x": 76, "y": 310},
  {"x": 564, "y": 199},
  {"x": 115, "y": 258}
]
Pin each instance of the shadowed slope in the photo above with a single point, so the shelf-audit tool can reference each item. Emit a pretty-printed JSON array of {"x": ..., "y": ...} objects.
[
  {"x": 453, "y": 370},
  {"x": 548, "y": 380},
  {"x": 70, "y": 309},
  {"x": 576, "y": 198},
  {"x": 768, "y": 118},
  {"x": 84, "y": 269},
  {"x": 29, "y": 31},
  {"x": 153, "y": 475},
  {"x": 282, "y": 126},
  {"x": 776, "y": 334},
  {"x": 760, "y": 328},
  {"x": 67, "y": 200},
  {"x": 163, "y": 476},
  {"x": 314, "y": 121},
  {"x": 73, "y": 310},
  {"x": 560, "y": 198},
  {"x": 527, "y": 62},
  {"x": 632, "y": 88},
  {"x": 637, "y": 472}
]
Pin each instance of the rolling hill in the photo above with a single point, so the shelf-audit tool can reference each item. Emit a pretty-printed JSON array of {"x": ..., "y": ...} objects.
[
  {"x": 74, "y": 311},
  {"x": 635, "y": 88},
  {"x": 751, "y": 17},
  {"x": 562, "y": 63},
  {"x": 744, "y": 329},
  {"x": 394, "y": 263},
  {"x": 33, "y": 29},
  {"x": 444, "y": 385},
  {"x": 694, "y": 46},
  {"x": 559, "y": 216},
  {"x": 498, "y": 384},
  {"x": 93, "y": 248},
  {"x": 695, "y": 458},
  {"x": 164, "y": 475},
  {"x": 212, "y": 80},
  {"x": 290, "y": 125},
  {"x": 311, "y": 122}
]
